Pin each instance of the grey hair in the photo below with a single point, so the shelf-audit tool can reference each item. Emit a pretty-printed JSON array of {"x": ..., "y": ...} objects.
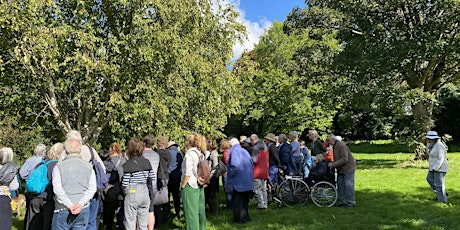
[
  {"x": 233, "y": 142},
  {"x": 72, "y": 146},
  {"x": 294, "y": 134},
  {"x": 313, "y": 132},
  {"x": 74, "y": 135},
  {"x": 40, "y": 150},
  {"x": 282, "y": 137},
  {"x": 6, "y": 155},
  {"x": 332, "y": 136},
  {"x": 54, "y": 153},
  {"x": 254, "y": 137}
]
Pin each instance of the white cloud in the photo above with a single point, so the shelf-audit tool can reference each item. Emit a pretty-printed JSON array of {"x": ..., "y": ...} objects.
[{"x": 254, "y": 30}]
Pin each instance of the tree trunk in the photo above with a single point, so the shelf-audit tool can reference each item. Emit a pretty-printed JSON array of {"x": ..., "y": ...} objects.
[{"x": 422, "y": 123}]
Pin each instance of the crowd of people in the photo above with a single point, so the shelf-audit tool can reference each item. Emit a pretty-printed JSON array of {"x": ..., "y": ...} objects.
[{"x": 140, "y": 182}]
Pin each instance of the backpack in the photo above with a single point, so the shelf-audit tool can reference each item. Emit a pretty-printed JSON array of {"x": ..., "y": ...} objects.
[
  {"x": 38, "y": 181},
  {"x": 8, "y": 173},
  {"x": 101, "y": 177},
  {"x": 203, "y": 172}
]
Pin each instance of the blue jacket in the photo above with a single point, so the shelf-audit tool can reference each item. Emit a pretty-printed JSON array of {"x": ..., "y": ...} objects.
[
  {"x": 286, "y": 157},
  {"x": 240, "y": 170}
]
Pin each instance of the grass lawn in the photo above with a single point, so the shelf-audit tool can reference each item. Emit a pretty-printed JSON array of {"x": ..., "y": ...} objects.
[{"x": 391, "y": 193}]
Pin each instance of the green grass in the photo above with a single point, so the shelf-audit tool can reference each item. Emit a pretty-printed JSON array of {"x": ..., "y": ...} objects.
[
  {"x": 379, "y": 146},
  {"x": 391, "y": 193}
]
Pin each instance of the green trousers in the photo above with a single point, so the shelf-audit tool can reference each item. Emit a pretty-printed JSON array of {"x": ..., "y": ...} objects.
[{"x": 193, "y": 201}]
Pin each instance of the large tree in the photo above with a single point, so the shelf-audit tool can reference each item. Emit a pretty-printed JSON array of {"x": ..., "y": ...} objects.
[
  {"x": 287, "y": 82},
  {"x": 414, "y": 45},
  {"x": 126, "y": 67}
]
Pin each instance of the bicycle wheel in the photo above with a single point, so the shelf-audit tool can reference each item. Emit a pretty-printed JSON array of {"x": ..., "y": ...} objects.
[
  {"x": 324, "y": 194},
  {"x": 293, "y": 191}
]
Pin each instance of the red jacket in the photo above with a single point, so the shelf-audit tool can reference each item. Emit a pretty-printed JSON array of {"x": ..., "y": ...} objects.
[{"x": 261, "y": 166}]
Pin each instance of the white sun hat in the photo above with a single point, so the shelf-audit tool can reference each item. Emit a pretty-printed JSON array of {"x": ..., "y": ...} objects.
[{"x": 432, "y": 135}]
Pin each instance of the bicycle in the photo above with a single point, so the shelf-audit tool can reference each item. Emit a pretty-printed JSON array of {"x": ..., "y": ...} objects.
[
  {"x": 291, "y": 191},
  {"x": 294, "y": 190}
]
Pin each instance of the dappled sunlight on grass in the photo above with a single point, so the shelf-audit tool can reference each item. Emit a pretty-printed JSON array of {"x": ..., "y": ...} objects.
[{"x": 391, "y": 193}]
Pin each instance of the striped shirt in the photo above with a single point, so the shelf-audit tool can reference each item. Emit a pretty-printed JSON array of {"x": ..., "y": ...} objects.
[{"x": 139, "y": 177}]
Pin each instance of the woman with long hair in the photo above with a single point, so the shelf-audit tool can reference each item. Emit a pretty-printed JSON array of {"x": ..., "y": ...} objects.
[
  {"x": 213, "y": 187},
  {"x": 112, "y": 196},
  {"x": 192, "y": 192}
]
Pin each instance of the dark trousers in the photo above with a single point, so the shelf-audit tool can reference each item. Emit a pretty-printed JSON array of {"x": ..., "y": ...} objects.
[
  {"x": 110, "y": 205},
  {"x": 39, "y": 214},
  {"x": 210, "y": 198},
  {"x": 173, "y": 188},
  {"x": 241, "y": 206},
  {"x": 161, "y": 214},
  {"x": 6, "y": 214}
]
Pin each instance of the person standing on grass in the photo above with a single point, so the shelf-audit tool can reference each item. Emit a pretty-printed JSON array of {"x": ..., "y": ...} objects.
[
  {"x": 39, "y": 213},
  {"x": 285, "y": 154},
  {"x": 346, "y": 166},
  {"x": 193, "y": 193},
  {"x": 161, "y": 212},
  {"x": 295, "y": 150},
  {"x": 240, "y": 180},
  {"x": 225, "y": 149},
  {"x": 73, "y": 193},
  {"x": 213, "y": 187},
  {"x": 259, "y": 156},
  {"x": 273, "y": 158},
  {"x": 137, "y": 187},
  {"x": 175, "y": 174},
  {"x": 8, "y": 183},
  {"x": 154, "y": 159},
  {"x": 437, "y": 165}
]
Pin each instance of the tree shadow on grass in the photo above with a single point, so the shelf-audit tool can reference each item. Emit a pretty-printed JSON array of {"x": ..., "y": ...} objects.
[
  {"x": 375, "y": 210},
  {"x": 377, "y": 163}
]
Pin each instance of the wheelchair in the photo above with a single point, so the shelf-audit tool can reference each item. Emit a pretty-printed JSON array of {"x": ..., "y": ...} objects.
[{"x": 323, "y": 190}]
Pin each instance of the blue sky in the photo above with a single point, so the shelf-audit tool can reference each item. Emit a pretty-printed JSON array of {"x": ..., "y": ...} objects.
[
  {"x": 258, "y": 15},
  {"x": 269, "y": 9}
]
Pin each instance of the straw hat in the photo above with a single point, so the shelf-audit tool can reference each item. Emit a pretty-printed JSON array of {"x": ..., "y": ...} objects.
[
  {"x": 171, "y": 143},
  {"x": 270, "y": 137}
]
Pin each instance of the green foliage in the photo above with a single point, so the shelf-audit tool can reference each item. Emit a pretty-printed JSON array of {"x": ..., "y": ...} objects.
[
  {"x": 23, "y": 142},
  {"x": 286, "y": 81},
  {"x": 446, "y": 113},
  {"x": 119, "y": 68},
  {"x": 397, "y": 55}
]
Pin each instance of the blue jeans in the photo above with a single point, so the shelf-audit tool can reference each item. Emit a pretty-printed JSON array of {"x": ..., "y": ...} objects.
[
  {"x": 93, "y": 209},
  {"x": 436, "y": 181},
  {"x": 64, "y": 220},
  {"x": 346, "y": 188}
]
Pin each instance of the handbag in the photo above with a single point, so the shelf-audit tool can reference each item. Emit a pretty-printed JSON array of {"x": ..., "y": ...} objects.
[
  {"x": 220, "y": 169},
  {"x": 162, "y": 196},
  {"x": 13, "y": 203}
]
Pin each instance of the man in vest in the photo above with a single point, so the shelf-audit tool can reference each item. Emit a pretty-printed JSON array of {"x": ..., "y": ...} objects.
[
  {"x": 259, "y": 154},
  {"x": 74, "y": 184}
]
